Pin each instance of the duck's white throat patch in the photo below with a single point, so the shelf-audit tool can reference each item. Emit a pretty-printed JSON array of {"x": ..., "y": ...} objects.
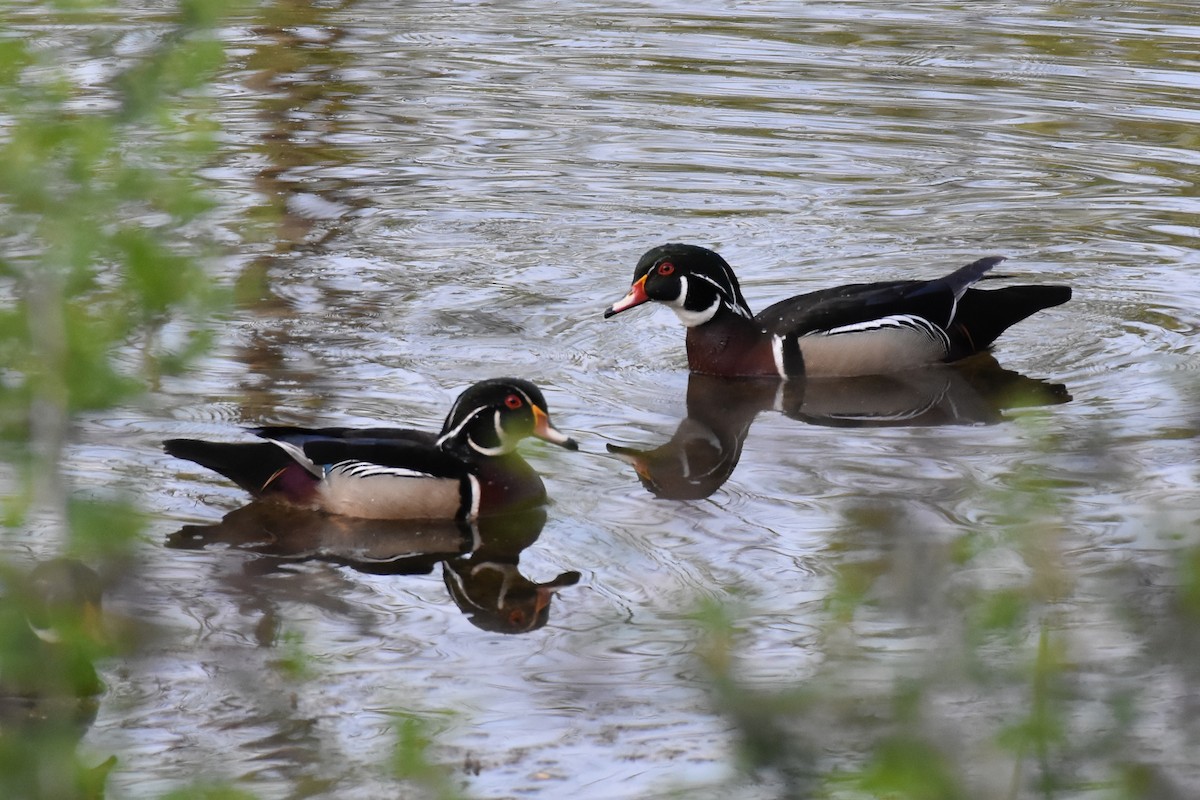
[{"x": 688, "y": 317}]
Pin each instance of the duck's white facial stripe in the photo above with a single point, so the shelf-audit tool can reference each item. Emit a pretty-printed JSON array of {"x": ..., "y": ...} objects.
[
  {"x": 730, "y": 298},
  {"x": 505, "y": 446},
  {"x": 688, "y": 317},
  {"x": 706, "y": 279},
  {"x": 730, "y": 280},
  {"x": 456, "y": 430},
  {"x": 507, "y": 443}
]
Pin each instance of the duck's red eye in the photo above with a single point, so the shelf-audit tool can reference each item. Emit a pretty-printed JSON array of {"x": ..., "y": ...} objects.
[
  {"x": 666, "y": 268},
  {"x": 513, "y": 401}
]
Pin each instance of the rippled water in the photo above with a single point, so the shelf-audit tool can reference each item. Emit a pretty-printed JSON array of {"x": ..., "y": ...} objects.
[{"x": 460, "y": 188}]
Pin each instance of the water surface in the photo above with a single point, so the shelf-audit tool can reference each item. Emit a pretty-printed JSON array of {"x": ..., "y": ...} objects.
[{"x": 416, "y": 196}]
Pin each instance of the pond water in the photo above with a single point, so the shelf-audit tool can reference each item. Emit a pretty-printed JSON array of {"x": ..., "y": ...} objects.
[{"x": 415, "y": 196}]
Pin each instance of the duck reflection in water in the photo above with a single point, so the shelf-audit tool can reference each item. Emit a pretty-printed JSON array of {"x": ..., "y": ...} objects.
[
  {"x": 479, "y": 558},
  {"x": 707, "y": 445}
]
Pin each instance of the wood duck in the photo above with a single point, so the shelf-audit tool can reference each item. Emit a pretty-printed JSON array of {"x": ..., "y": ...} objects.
[
  {"x": 470, "y": 469},
  {"x": 856, "y": 329}
]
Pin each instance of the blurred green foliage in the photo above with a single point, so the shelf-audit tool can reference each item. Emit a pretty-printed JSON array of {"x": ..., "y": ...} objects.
[
  {"x": 413, "y": 760},
  {"x": 104, "y": 253},
  {"x": 992, "y": 707},
  {"x": 101, "y": 199},
  {"x": 215, "y": 792},
  {"x": 293, "y": 661}
]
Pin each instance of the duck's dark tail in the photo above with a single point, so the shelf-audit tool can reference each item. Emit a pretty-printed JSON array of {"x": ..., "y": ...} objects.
[
  {"x": 255, "y": 466},
  {"x": 956, "y": 283},
  {"x": 982, "y": 315},
  {"x": 963, "y": 277}
]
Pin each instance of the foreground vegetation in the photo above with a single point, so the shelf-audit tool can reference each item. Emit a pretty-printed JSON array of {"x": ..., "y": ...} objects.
[
  {"x": 101, "y": 252},
  {"x": 107, "y": 251}
]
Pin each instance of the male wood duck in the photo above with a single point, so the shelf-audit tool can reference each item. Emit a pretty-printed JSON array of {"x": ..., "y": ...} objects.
[
  {"x": 856, "y": 329},
  {"x": 470, "y": 469}
]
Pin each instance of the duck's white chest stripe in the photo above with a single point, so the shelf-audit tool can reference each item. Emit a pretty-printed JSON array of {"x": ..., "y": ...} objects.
[
  {"x": 476, "y": 495},
  {"x": 785, "y": 350}
]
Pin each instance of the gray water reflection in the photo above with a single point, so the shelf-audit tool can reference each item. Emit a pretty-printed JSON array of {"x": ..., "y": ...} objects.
[
  {"x": 705, "y": 448},
  {"x": 479, "y": 560},
  {"x": 419, "y": 195}
]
